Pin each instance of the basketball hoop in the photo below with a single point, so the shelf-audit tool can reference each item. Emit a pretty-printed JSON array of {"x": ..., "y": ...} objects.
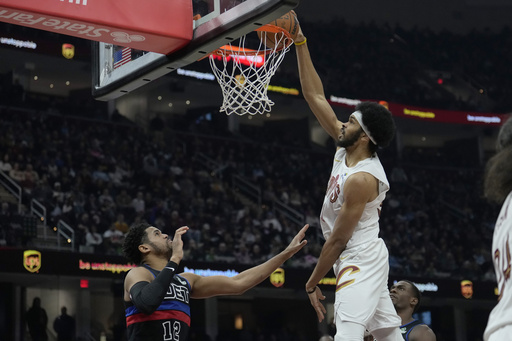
[{"x": 244, "y": 73}]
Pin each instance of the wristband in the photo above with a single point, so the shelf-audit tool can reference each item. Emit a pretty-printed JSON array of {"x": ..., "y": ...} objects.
[
  {"x": 312, "y": 290},
  {"x": 302, "y": 42},
  {"x": 171, "y": 266}
]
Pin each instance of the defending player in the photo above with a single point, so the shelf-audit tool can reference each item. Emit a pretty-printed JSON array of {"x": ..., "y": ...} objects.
[
  {"x": 498, "y": 188},
  {"x": 157, "y": 299},
  {"x": 350, "y": 214},
  {"x": 406, "y": 298}
]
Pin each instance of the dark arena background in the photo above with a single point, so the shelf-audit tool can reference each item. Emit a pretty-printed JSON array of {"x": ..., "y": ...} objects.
[{"x": 71, "y": 165}]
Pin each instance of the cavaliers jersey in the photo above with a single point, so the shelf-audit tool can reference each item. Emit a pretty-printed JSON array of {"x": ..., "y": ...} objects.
[
  {"x": 407, "y": 328},
  {"x": 367, "y": 228},
  {"x": 170, "y": 321},
  {"x": 501, "y": 315}
]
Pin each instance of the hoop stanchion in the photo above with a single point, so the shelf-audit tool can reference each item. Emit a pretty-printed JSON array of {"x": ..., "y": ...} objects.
[{"x": 244, "y": 73}]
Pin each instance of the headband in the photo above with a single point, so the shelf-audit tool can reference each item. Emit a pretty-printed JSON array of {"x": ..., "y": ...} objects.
[{"x": 359, "y": 118}]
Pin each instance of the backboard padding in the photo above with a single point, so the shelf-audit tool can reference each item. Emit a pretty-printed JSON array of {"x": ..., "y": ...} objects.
[{"x": 208, "y": 36}]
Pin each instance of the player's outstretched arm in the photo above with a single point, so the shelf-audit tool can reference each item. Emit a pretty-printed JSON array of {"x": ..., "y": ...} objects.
[
  {"x": 313, "y": 90},
  {"x": 203, "y": 287}
]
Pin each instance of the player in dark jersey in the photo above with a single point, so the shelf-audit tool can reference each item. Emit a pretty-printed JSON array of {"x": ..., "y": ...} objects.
[
  {"x": 157, "y": 299},
  {"x": 406, "y": 298}
]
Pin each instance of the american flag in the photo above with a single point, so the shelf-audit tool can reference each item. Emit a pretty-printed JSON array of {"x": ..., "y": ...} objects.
[{"x": 122, "y": 56}]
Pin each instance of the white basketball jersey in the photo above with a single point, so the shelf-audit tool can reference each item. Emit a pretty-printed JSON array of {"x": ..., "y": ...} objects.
[
  {"x": 501, "y": 315},
  {"x": 367, "y": 228}
]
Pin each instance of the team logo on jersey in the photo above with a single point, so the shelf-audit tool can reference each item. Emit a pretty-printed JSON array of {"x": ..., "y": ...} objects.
[
  {"x": 32, "y": 260},
  {"x": 348, "y": 270},
  {"x": 181, "y": 280},
  {"x": 277, "y": 278},
  {"x": 466, "y": 288}
]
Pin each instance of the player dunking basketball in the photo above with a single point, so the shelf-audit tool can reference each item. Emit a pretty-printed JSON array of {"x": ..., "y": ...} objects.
[
  {"x": 157, "y": 299},
  {"x": 498, "y": 188},
  {"x": 350, "y": 215}
]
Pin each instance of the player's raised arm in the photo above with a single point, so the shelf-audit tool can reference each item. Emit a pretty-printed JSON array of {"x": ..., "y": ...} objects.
[
  {"x": 313, "y": 89},
  {"x": 203, "y": 287}
]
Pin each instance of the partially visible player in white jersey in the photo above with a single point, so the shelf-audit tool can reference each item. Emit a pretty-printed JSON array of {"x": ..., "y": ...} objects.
[
  {"x": 350, "y": 215},
  {"x": 498, "y": 188}
]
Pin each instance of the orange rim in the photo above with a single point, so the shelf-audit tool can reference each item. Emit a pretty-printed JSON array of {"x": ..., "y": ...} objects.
[{"x": 227, "y": 50}]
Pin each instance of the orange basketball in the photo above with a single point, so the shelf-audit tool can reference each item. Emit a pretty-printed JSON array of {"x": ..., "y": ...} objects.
[{"x": 288, "y": 22}]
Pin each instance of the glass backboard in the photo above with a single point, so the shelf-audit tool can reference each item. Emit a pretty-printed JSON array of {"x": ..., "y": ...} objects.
[{"x": 119, "y": 70}]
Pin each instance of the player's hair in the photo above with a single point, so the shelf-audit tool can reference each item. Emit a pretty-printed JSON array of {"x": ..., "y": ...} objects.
[
  {"x": 136, "y": 236},
  {"x": 379, "y": 122},
  {"x": 498, "y": 172},
  {"x": 416, "y": 293}
]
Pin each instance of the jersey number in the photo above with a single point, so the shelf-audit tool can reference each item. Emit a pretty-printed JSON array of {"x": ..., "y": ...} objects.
[
  {"x": 504, "y": 266},
  {"x": 171, "y": 333}
]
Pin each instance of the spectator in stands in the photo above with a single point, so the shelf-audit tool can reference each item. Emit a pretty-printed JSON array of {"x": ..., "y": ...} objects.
[
  {"x": 31, "y": 178},
  {"x": 120, "y": 224},
  {"x": 105, "y": 198},
  {"x": 113, "y": 240},
  {"x": 58, "y": 195},
  {"x": 124, "y": 201},
  {"x": 138, "y": 204},
  {"x": 150, "y": 164},
  {"x": 5, "y": 165},
  {"x": 17, "y": 174},
  {"x": 83, "y": 225},
  {"x": 242, "y": 254},
  {"x": 94, "y": 239}
]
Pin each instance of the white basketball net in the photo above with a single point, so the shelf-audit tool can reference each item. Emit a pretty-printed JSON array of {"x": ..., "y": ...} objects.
[{"x": 242, "y": 78}]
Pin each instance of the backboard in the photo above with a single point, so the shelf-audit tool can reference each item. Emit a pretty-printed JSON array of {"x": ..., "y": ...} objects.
[{"x": 119, "y": 70}]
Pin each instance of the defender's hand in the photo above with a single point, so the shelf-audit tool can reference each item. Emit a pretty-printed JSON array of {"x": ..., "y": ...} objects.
[{"x": 177, "y": 244}]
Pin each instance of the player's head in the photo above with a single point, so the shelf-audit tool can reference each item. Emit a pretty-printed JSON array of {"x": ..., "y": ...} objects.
[
  {"x": 498, "y": 175},
  {"x": 377, "y": 123},
  {"x": 404, "y": 295},
  {"x": 136, "y": 236}
]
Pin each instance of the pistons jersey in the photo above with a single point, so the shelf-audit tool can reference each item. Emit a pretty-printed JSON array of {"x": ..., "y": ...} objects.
[
  {"x": 169, "y": 322},
  {"x": 406, "y": 329}
]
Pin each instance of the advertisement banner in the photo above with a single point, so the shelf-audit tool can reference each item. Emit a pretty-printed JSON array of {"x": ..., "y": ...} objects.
[
  {"x": 84, "y": 265},
  {"x": 427, "y": 114},
  {"x": 160, "y": 26}
]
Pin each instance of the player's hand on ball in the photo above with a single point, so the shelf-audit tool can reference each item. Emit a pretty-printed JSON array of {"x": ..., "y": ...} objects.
[{"x": 300, "y": 35}]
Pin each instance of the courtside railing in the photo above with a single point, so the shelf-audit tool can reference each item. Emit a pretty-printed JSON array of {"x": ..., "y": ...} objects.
[
  {"x": 289, "y": 212},
  {"x": 65, "y": 231},
  {"x": 37, "y": 209},
  {"x": 12, "y": 187},
  {"x": 246, "y": 188}
]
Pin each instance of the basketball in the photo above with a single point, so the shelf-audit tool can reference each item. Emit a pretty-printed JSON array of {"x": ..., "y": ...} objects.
[{"x": 288, "y": 22}]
